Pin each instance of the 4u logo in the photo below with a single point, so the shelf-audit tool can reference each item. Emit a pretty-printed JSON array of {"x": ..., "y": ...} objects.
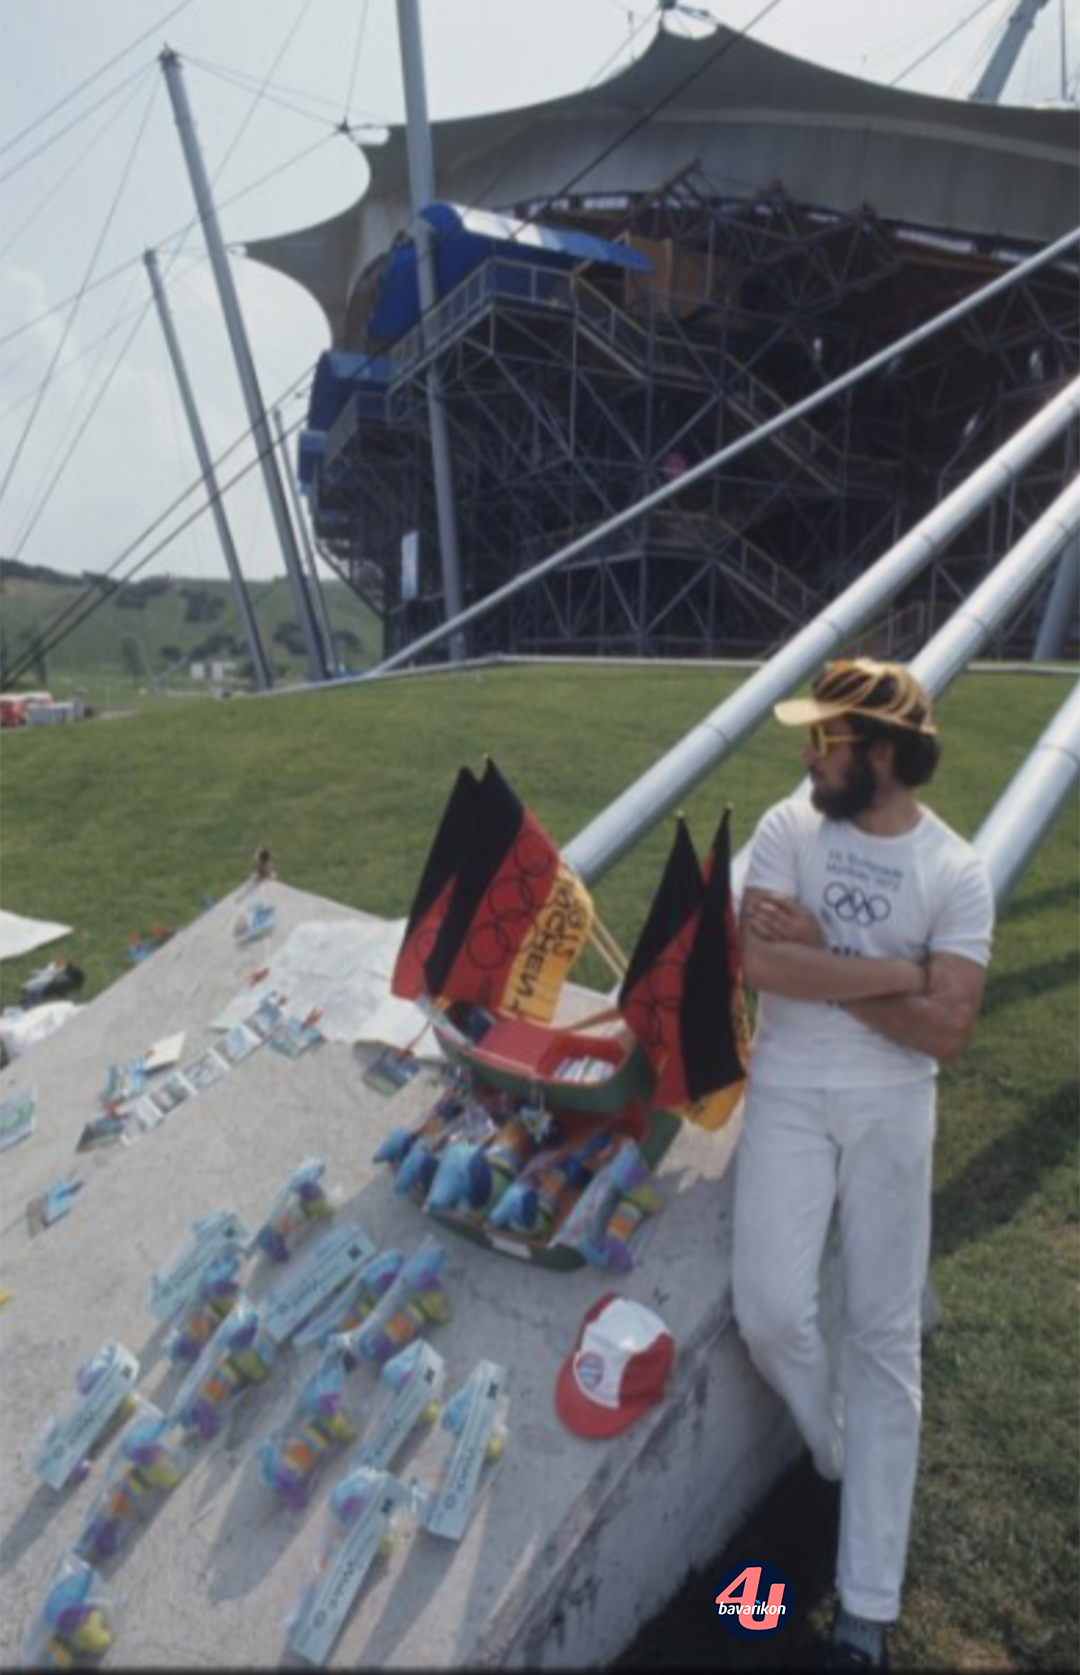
[{"x": 753, "y": 1599}]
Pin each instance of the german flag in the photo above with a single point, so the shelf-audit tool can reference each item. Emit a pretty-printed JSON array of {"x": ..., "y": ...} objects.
[
  {"x": 682, "y": 995},
  {"x": 435, "y": 888},
  {"x": 715, "y": 1035},
  {"x": 517, "y": 918},
  {"x": 653, "y": 990}
]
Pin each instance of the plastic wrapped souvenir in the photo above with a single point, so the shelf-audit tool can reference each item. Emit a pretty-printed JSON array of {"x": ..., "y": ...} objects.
[
  {"x": 324, "y": 1419},
  {"x": 301, "y": 1205},
  {"x": 105, "y": 1398},
  {"x": 465, "y": 1446},
  {"x": 144, "y": 1466},
  {"x": 363, "y": 1509},
  {"x": 75, "y": 1626},
  {"x": 609, "y": 1213},
  {"x": 538, "y": 1200},
  {"x": 238, "y": 1355},
  {"x": 327, "y": 1265},
  {"x": 177, "y": 1281},
  {"x": 218, "y": 1291},
  {"x": 352, "y": 1305},
  {"x": 471, "y": 1179},
  {"x": 409, "y": 1395},
  {"x": 416, "y": 1300}
]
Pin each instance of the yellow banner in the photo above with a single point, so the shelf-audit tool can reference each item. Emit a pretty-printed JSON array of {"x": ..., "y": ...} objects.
[{"x": 553, "y": 944}]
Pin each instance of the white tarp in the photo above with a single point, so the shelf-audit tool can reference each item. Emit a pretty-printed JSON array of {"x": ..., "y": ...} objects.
[{"x": 22, "y": 936}]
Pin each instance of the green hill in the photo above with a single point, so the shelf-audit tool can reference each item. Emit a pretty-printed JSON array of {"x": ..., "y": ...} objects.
[{"x": 135, "y": 642}]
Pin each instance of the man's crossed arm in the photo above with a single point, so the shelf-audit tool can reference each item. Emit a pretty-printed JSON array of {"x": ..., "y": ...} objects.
[{"x": 930, "y": 1007}]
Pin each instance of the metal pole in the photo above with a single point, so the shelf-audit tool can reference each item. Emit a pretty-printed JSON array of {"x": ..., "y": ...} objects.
[
  {"x": 1059, "y": 617},
  {"x": 322, "y": 615},
  {"x": 882, "y": 358},
  {"x": 206, "y": 466},
  {"x": 619, "y": 826},
  {"x": 991, "y": 84},
  {"x": 245, "y": 365},
  {"x": 995, "y": 599},
  {"x": 1022, "y": 815},
  {"x": 422, "y": 188}
]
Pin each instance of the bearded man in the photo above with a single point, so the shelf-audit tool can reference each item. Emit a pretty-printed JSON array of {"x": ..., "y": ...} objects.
[{"x": 866, "y": 927}]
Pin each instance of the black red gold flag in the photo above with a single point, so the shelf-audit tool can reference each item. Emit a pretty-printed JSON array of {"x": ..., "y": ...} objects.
[
  {"x": 652, "y": 991},
  {"x": 713, "y": 1013},
  {"x": 517, "y": 917},
  {"x": 437, "y": 881}
]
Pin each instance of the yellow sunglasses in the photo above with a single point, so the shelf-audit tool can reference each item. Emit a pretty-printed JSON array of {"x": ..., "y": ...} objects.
[{"x": 822, "y": 742}]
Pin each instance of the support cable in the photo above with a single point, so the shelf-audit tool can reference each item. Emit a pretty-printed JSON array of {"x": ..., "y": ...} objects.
[
  {"x": 657, "y": 13},
  {"x": 305, "y": 7},
  {"x": 62, "y": 625},
  {"x": 136, "y": 75},
  {"x": 66, "y": 100},
  {"x": 95, "y": 343},
  {"x": 46, "y": 199},
  {"x": 80, "y": 294},
  {"x": 245, "y": 85},
  {"x": 355, "y": 63},
  {"x": 66, "y": 450},
  {"x": 938, "y": 44},
  {"x": 244, "y": 79}
]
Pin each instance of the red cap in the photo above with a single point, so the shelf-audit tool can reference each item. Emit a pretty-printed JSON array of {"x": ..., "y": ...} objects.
[{"x": 618, "y": 1369}]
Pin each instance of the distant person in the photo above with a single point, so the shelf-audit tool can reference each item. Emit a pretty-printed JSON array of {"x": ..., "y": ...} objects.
[
  {"x": 264, "y": 865},
  {"x": 866, "y": 930}
]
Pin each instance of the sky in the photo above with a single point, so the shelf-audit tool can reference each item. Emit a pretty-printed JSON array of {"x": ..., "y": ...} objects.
[{"x": 94, "y": 446}]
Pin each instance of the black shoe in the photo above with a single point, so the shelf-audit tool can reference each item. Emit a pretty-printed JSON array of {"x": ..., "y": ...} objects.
[{"x": 858, "y": 1643}]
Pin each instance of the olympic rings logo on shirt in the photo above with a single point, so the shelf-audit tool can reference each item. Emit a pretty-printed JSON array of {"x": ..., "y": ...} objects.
[{"x": 853, "y": 906}]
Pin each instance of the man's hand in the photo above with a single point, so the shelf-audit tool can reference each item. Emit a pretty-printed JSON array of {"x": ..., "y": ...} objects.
[
  {"x": 777, "y": 918},
  {"x": 941, "y": 1021}
]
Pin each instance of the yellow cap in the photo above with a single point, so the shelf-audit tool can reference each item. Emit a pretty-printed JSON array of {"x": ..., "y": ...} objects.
[{"x": 883, "y": 692}]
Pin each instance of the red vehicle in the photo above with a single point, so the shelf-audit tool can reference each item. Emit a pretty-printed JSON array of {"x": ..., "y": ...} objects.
[{"x": 13, "y": 706}]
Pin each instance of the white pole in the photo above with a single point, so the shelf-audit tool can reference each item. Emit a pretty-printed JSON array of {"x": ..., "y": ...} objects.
[
  {"x": 206, "y": 466},
  {"x": 245, "y": 364}
]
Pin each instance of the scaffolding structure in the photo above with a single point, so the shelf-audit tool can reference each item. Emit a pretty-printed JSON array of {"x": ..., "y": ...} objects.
[{"x": 572, "y": 394}]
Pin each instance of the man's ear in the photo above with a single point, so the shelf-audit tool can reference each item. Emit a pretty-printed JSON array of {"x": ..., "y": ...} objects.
[{"x": 882, "y": 757}]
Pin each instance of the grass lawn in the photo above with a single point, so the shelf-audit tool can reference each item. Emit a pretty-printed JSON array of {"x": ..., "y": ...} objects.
[{"x": 114, "y": 827}]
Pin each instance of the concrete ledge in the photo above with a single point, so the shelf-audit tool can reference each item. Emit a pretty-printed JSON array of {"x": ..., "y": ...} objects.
[{"x": 574, "y": 1545}]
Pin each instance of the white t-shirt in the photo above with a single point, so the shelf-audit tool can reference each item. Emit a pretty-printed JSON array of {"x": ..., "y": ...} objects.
[{"x": 926, "y": 891}]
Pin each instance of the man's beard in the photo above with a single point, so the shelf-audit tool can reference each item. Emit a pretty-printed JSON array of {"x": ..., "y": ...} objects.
[{"x": 852, "y": 798}]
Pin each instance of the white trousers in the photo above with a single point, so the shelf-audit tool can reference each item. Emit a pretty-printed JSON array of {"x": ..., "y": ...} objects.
[{"x": 867, "y": 1151}]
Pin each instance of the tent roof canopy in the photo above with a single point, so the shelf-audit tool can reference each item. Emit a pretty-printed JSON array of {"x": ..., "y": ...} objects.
[{"x": 753, "y": 119}]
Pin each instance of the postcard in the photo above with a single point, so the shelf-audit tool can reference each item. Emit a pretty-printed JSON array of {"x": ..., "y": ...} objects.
[{"x": 17, "y": 1117}]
